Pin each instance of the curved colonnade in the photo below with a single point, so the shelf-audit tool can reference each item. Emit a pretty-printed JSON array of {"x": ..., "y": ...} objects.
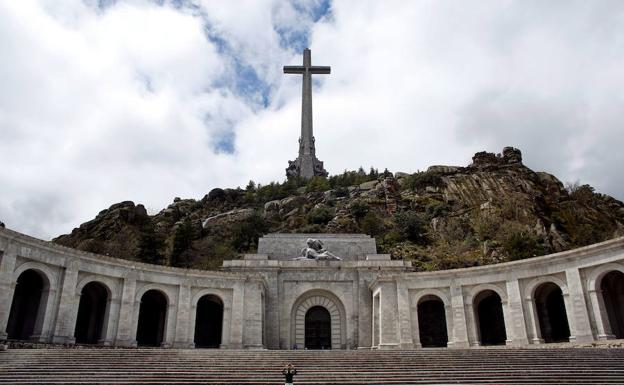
[{"x": 51, "y": 293}]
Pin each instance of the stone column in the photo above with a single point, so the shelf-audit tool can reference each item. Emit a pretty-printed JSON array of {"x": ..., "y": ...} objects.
[
  {"x": 238, "y": 310},
  {"x": 375, "y": 321},
  {"x": 126, "y": 330},
  {"x": 7, "y": 286},
  {"x": 472, "y": 327},
  {"x": 580, "y": 326},
  {"x": 365, "y": 310},
  {"x": 515, "y": 324},
  {"x": 170, "y": 325},
  {"x": 533, "y": 321},
  {"x": 388, "y": 316},
  {"x": 253, "y": 328},
  {"x": 459, "y": 337},
  {"x": 182, "y": 335},
  {"x": 603, "y": 326},
  {"x": 112, "y": 320},
  {"x": 416, "y": 328},
  {"x": 405, "y": 323},
  {"x": 68, "y": 305}
]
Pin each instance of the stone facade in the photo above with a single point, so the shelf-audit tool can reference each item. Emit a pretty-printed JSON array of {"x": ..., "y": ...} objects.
[{"x": 264, "y": 299}]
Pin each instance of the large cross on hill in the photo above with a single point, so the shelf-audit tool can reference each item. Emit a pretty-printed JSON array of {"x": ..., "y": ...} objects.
[{"x": 306, "y": 165}]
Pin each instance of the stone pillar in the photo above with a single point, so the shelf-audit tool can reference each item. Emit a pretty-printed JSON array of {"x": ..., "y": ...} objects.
[
  {"x": 112, "y": 320},
  {"x": 365, "y": 310},
  {"x": 472, "y": 327},
  {"x": 68, "y": 305},
  {"x": 182, "y": 335},
  {"x": 580, "y": 327},
  {"x": 238, "y": 311},
  {"x": 535, "y": 332},
  {"x": 603, "y": 326},
  {"x": 375, "y": 321},
  {"x": 405, "y": 323},
  {"x": 126, "y": 329},
  {"x": 515, "y": 325},
  {"x": 388, "y": 316},
  {"x": 170, "y": 325},
  {"x": 459, "y": 337},
  {"x": 416, "y": 328},
  {"x": 7, "y": 286},
  {"x": 253, "y": 328}
]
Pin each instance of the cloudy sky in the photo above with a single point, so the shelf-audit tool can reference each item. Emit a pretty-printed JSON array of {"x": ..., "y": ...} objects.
[{"x": 104, "y": 101}]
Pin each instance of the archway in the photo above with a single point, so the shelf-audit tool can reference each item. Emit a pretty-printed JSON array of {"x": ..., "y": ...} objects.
[
  {"x": 208, "y": 322},
  {"x": 26, "y": 307},
  {"x": 432, "y": 322},
  {"x": 152, "y": 319},
  {"x": 317, "y": 328},
  {"x": 337, "y": 314},
  {"x": 612, "y": 287},
  {"x": 551, "y": 312},
  {"x": 91, "y": 313},
  {"x": 490, "y": 320}
]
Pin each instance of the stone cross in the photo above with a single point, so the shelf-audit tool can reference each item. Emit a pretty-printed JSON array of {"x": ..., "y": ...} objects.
[{"x": 306, "y": 165}]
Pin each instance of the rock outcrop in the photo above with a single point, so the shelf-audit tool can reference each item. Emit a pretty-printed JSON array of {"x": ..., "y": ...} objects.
[{"x": 495, "y": 209}]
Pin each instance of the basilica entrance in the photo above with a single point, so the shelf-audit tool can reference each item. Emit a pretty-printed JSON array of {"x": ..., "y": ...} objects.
[{"x": 317, "y": 328}]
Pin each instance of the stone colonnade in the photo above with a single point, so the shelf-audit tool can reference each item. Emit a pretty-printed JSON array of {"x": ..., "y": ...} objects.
[
  {"x": 527, "y": 293},
  {"x": 371, "y": 302},
  {"x": 65, "y": 272}
]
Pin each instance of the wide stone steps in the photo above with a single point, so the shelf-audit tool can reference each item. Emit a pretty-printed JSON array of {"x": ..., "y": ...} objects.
[{"x": 425, "y": 366}]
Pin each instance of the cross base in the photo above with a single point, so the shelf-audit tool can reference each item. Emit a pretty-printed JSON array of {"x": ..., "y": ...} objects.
[{"x": 306, "y": 167}]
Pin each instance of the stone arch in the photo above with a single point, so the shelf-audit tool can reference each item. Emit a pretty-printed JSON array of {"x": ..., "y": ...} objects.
[
  {"x": 432, "y": 319},
  {"x": 92, "y": 313},
  {"x": 153, "y": 303},
  {"x": 529, "y": 292},
  {"x": 108, "y": 283},
  {"x": 154, "y": 286},
  {"x": 486, "y": 286},
  {"x": 208, "y": 330},
  {"x": 225, "y": 297},
  {"x": 489, "y": 318},
  {"x": 31, "y": 307},
  {"x": 496, "y": 317},
  {"x": 336, "y": 311},
  {"x": 43, "y": 269},
  {"x": 442, "y": 296},
  {"x": 600, "y": 310},
  {"x": 551, "y": 311}
]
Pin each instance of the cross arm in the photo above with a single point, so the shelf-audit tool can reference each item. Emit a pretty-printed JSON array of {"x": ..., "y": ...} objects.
[
  {"x": 311, "y": 69},
  {"x": 294, "y": 69},
  {"x": 320, "y": 69}
]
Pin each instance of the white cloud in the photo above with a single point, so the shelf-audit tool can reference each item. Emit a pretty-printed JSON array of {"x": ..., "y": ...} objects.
[{"x": 132, "y": 101}]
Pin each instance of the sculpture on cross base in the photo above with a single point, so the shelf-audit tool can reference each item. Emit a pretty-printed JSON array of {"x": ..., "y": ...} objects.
[{"x": 315, "y": 250}]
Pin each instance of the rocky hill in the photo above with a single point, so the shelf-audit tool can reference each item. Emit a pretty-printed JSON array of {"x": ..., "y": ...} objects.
[{"x": 490, "y": 211}]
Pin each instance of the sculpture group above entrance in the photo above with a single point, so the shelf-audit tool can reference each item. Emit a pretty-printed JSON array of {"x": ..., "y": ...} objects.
[{"x": 314, "y": 250}]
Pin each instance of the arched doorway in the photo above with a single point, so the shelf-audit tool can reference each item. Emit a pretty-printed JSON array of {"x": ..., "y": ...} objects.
[
  {"x": 208, "y": 322},
  {"x": 91, "y": 313},
  {"x": 26, "y": 308},
  {"x": 152, "y": 319},
  {"x": 432, "y": 322},
  {"x": 490, "y": 319},
  {"x": 317, "y": 328},
  {"x": 551, "y": 312},
  {"x": 612, "y": 287}
]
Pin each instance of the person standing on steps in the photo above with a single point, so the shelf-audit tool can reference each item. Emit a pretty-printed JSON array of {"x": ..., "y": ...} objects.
[{"x": 289, "y": 372}]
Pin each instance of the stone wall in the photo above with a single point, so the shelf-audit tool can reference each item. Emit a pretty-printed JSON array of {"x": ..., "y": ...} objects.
[{"x": 373, "y": 302}]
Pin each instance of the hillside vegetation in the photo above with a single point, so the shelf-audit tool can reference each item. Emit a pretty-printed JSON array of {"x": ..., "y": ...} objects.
[{"x": 491, "y": 211}]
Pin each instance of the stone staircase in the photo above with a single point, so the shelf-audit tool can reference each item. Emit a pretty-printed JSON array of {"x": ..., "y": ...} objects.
[{"x": 424, "y": 366}]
